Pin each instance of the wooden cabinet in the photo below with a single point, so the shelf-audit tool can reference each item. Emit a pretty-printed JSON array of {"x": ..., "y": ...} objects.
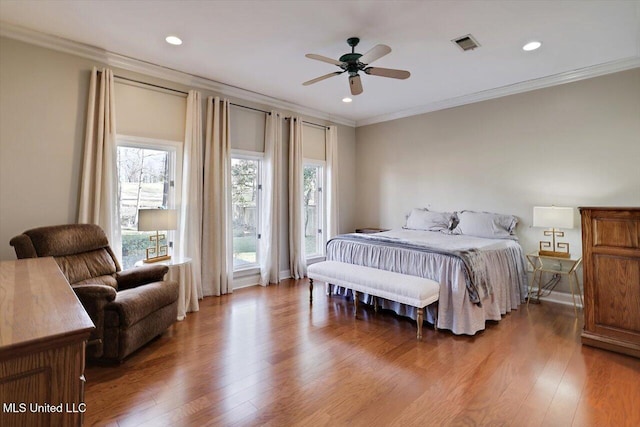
[
  {"x": 611, "y": 267},
  {"x": 43, "y": 332}
]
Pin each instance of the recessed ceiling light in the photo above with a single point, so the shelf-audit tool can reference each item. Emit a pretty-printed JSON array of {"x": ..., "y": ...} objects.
[
  {"x": 174, "y": 40},
  {"x": 347, "y": 100},
  {"x": 531, "y": 46}
]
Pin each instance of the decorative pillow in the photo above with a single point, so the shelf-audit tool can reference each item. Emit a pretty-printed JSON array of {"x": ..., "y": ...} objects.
[
  {"x": 485, "y": 224},
  {"x": 423, "y": 219}
]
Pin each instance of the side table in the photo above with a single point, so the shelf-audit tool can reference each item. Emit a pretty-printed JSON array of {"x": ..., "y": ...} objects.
[
  {"x": 180, "y": 271},
  {"x": 550, "y": 264}
]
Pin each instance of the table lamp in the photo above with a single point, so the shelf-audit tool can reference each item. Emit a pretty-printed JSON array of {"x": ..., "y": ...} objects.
[
  {"x": 553, "y": 217},
  {"x": 157, "y": 220}
]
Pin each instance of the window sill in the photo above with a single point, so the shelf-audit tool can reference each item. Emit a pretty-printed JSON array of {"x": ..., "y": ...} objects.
[
  {"x": 315, "y": 259},
  {"x": 249, "y": 271}
]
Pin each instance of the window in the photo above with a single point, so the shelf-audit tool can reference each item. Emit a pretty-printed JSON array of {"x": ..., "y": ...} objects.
[
  {"x": 246, "y": 186},
  {"x": 147, "y": 179},
  {"x": 313, "y": 200}
]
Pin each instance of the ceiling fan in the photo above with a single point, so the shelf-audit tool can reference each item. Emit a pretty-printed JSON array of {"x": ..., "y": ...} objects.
[{"x": 354, "y": 62}]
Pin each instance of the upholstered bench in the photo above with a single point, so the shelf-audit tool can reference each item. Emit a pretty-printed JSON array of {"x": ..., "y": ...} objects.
[{"x": 411, "y": 290}]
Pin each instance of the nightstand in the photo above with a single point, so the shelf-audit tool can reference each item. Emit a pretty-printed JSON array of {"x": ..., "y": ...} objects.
[
  {"x": 371, "y": 230},
  {"x": 549, "y": 264}
]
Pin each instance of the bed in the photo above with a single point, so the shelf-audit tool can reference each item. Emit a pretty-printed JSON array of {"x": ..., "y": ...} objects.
[{"x": 480, "y": 278}]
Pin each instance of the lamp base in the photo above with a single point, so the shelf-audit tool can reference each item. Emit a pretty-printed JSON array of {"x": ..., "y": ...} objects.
[
  {"x": 555, "y": 254},
  {"x": 156, "y": 259}
]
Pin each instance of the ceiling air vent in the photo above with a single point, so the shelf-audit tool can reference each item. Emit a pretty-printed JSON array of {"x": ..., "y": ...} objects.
[{"x": 466, "y": 42}]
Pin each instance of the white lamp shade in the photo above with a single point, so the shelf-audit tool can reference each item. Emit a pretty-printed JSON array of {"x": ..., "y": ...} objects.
[
  {"x": 157, "y": 219},
  {"x": 552, "y": 217}
]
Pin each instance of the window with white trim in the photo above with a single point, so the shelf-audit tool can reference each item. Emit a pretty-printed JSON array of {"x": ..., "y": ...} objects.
[
  {"x": 246, "y": 189},
  {"x": 314, "y": 208},
  {"x": 148, "y": 172}
]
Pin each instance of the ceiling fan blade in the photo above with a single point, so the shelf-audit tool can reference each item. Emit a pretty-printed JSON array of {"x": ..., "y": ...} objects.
[
  {"x": 355, "y": 84},
  {"x": 323, "y": 59},
  {"x": 387, "y": 72},
  {"x": 376, "y": 52},
  {"x": 318, "y": 79}
]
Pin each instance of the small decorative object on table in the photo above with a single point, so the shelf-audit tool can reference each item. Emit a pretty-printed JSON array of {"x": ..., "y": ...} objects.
[
  {"x": 157, "y": 220},
  {"x": 553, "y": 217}
]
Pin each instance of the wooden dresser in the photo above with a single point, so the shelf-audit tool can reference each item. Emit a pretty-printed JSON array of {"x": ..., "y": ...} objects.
[
  {"x": 43, "y": 332},
  {"x": 611, "y": 267}
]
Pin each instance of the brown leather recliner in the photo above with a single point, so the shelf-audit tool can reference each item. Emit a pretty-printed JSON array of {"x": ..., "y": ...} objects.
[{"x": 128, "y": 308}]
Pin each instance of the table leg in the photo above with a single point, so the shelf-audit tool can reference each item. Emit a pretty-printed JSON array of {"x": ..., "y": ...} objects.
[
  {"x": 419, "y": 320},
  {"x": 537, "y": 274},
  {"x": 575, "y": 278},
  {"x": 573, "y": 295},
  {"x": 355, "y": 304},
  {"x": 539, "y": 284},
  {"x": 435, "y": 319}
]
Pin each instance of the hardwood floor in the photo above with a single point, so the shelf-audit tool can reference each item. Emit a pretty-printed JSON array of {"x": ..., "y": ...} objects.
[{"x": 262, "y": 356}]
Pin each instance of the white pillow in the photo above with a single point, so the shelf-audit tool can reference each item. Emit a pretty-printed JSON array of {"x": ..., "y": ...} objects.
[
  {"x": 423, "y": 219},
  {"x": 486, "y": 224}
]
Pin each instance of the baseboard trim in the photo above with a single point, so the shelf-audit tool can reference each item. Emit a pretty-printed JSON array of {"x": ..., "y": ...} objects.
[
  {"x": 558, "y": 298},
  {"x": 284, "y": 274},
  {"x": 246, "y": 281}
]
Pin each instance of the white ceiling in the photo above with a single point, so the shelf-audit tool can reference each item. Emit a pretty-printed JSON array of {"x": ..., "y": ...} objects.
[{"x": 260, "y": 45}]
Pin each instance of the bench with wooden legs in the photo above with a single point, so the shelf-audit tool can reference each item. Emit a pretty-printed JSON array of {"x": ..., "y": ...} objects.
[{"x": 410, "y": 290}]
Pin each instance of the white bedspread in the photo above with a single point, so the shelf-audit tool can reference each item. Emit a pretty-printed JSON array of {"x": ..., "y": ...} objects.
[{"x": 503, "y": 259}]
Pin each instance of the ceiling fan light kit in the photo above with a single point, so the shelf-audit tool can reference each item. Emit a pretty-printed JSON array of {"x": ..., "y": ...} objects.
[
  {"x": 531, "y": 46},
  {"x": 354, "y": 62},
  {"x": 174, "y": 40}
]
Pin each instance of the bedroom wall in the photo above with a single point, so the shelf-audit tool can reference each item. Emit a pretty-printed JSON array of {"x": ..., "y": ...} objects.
[
  {"x": 576, "y": 144},
  {"x": 43, "y": 96}
]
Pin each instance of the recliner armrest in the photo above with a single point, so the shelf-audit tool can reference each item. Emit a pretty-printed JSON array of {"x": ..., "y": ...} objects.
[
  {"x": 23, "y": 246},
  {"x": 141, "y": 276},
  {"x": 94, "y": 298},
  {"x": 95, "y": 292}
]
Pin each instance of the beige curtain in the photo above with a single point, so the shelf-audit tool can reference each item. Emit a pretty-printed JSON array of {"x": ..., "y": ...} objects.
[
  {"x": 331, "y": 148},
  {"x": 297, "y": 259},
  {"x": 271, "y": 198},
  {"x": 190, "y": 227},
  {"x": 217, "y": 251},
  {"x": 99, "y": 202}
]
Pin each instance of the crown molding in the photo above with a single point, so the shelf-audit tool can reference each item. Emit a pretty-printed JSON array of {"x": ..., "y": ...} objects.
[
  {"x": 135, "y": 65},
  {"x": 543, "y": 82}
]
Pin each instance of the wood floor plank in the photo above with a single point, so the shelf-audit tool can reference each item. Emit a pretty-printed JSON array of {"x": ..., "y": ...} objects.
[{"x": 263, "y": 356}]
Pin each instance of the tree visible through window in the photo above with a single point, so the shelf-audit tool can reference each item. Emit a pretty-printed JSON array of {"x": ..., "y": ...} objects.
[
  {"x": 144, "y": 178},
  {"x": 245, "y": 186},
  {"x": 313, "y": 210}
]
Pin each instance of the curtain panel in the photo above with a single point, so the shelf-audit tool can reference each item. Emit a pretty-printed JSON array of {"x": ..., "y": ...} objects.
[
  {"x": 217, "y": 251},
  {"x": 271, "y": 200},
  {"x": 190, "y": 227},
  {"x": 297, "y": 261},
  {"x": 331, "y": 147},
  {"x": 99, "y": 196}
]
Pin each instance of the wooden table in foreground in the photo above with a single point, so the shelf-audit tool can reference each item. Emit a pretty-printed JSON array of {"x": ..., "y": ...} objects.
[{"x": 43, "y": 333}]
